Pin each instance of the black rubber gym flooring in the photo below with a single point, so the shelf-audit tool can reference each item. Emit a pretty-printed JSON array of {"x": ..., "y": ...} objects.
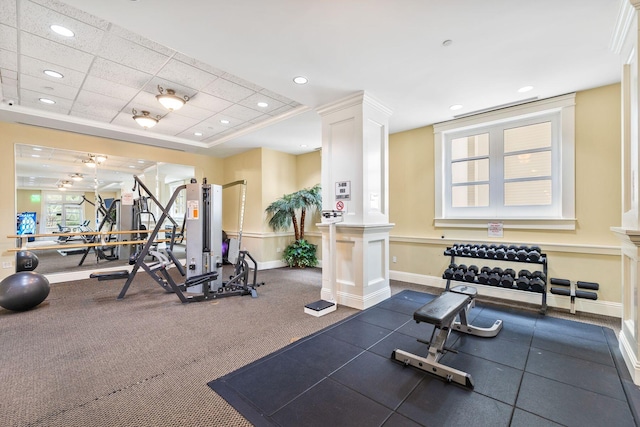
[{"x": 538, "y": 371}]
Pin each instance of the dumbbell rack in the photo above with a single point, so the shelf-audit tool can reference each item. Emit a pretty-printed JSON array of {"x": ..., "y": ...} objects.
[{"x": 541, "y": 261}]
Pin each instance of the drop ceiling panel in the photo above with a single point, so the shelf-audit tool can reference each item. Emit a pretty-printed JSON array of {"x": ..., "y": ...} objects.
[
  {"x": 87, "y": 100},
  {"x": 118, "y": 73},
  {"x": 9, "y": 60},
  {"x": 173, "y": 124},
  {"x": 137, "y": 39},
  {"x": 180, "y": 90},
  {"x": 30, "y": 98},
  {"x": 35, "y": 67},
  {"x": 198, "y": 64},
  {"x": 132, "y": 55},
  {"x": 55, "y": 53},
  {"x": 193, "y": 112},
  {"x": 8, "y": 38},
  {"x": 177, "y": 71},
  {"x": 73, "y": 13},
  {"x": 252, "y": 102},
  {"x": 114, "y": 90},
  {"x": 210, "y": 102},
  {"x": 8, "y": 74},
  {"x": 8, "y": 13},
  {"x": 242, "y": 113},
  {"x": 228, "y": 90},
  {"x": 47, "y": 87},
  {"x": 32, "y": 16}
]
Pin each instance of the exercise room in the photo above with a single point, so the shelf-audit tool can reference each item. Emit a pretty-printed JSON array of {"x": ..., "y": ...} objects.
[{"x": 319, "y": 213}]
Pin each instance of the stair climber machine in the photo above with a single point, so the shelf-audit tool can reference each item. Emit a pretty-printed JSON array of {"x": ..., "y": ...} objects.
[{"x": 203, "y": 235}]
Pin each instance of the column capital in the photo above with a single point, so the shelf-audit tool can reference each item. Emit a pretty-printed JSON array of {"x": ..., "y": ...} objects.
[{"x": 358, "y": 98}]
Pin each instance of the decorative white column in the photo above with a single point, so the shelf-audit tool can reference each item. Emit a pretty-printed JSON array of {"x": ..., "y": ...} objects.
[
  {"x": 355, "y": 164},
  {"x": 625, "y": 43}
]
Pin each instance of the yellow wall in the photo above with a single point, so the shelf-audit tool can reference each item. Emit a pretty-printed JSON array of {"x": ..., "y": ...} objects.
[{"x": 590, "y": 252}]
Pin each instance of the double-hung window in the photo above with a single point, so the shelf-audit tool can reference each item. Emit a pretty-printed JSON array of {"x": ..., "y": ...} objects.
[{"x": 514, "y": 165}]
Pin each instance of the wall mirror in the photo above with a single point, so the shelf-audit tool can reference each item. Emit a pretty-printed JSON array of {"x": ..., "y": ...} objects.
[{"x": 59, "y": 190}]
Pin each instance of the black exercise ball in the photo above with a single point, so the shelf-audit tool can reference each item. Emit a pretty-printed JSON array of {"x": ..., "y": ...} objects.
[
  {"x": 26, "y": 261},
  {"x": 23, "y": 291}
]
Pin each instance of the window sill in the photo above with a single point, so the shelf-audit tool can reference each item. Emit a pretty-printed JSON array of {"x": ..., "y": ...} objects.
[{"x": 514, "y": 224}]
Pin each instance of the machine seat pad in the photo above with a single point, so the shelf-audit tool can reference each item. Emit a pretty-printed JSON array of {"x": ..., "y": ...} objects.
[{"x": 442, "y": 310}]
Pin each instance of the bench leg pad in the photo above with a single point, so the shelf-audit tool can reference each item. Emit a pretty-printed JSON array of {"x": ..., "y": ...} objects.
[
  {"x": 431, "y": 366},
  {"x": 478, "y": 331}
]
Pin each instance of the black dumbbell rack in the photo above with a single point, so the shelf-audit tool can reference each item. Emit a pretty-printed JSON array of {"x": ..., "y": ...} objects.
[{"x": 462, "y": 250}]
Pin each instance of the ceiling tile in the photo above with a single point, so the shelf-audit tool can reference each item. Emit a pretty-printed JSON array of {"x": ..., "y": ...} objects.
[
  {"x": 8, "y": 74},
  {"x": 35, "y": 67},
  {"x": 189, "y": 110},
  {"x": 10, "y": 89},
  {"x": 87, "y": 100},
  {"x": 228, "y": 90},
  {"x": 132, "y": 55},
  {"x": 73, "y": 13},
  {"x": 173, "y": 124},
  {"x": 55, "y": 53},
  {"x": 8, "y": 13},
  {"x": 137, "y": 39},
  {"x": 242, "y": 82},
  {"x": 252, "y": 102},
  {"x": 118, "y": 73},
  {"x": 198, "y": 64},
  {"x": 8, "y": 38},
  {"x": 187, "y": 75},
  {"x": 209, "y": 102},
  {"x": 105, "y": 87},
  {"x": 36, "y": 19},
  {"x": 9, "y": 60},
  {"x": 48, "y": 88},
  {"x": 180, "y": 90},
  {"x": 242, "y": 113},
  {"x": 29, "y": 98}
]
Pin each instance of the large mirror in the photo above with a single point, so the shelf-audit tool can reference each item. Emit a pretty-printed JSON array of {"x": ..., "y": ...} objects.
[{"x": 60, "y": 191}]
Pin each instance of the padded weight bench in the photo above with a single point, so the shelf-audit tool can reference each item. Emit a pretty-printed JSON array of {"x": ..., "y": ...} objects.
[{"x": 442, "y": 312}]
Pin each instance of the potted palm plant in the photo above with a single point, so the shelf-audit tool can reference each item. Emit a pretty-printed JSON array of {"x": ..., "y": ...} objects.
[{"x": 284, "y": 213}]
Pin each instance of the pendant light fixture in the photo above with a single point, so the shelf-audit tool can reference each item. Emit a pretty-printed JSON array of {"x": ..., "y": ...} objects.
[
  {"x": 170, "y": 100},
  {"x": 145, "y": 119}
]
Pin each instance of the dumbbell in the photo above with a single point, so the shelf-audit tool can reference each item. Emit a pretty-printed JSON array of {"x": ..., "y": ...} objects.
[
  {"x": 469, "y": 276},
  {"x": 482, "y": 251},
  {"x": 510, "y": 271},
  {"x": 511, "y": 254},
  {"x": 491, "y": 252},
  {"x": 522, "y": 254},
  {"x": 497, "y": 270},
  {"x": 540, "y": 275},
  {"x": 458, "y": 274},
  {"x": 534, "y": 255},
  {"x": 448, "y": 273},
  {"x": 485, "y": 269},
  {"x": 494, "y": 279},
  {"x": 506, "y": 281},
  {"x": 524, "y": 273},
  {"x": 522, "y": 283},
  {"x": 537, "y": 284},
  {"x": 501, "y": 253},
  {"x": 483, "y": 277}
]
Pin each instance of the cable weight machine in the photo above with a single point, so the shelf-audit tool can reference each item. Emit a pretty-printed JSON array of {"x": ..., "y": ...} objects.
[{"x": 203, "y": 267}]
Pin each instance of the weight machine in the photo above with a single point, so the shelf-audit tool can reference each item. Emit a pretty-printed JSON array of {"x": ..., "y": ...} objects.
[{"x": 203, "y": 231}]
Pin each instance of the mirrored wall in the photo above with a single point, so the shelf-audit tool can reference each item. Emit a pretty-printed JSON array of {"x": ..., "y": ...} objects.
[{"x": 60, "y": 191}]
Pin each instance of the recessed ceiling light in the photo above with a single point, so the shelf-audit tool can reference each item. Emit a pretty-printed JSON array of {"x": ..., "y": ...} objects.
[
  {"x": 224, "y": 121},
  {"x": 141, "y": 162},
  {"x": 455, "y": 107},
  {"x": 37, "y": 149},
  {"x": 59, "y": 29},
  {"x": 35, "y": 155},
  {"x": 301, "y": 80},
  {"x": 52, "y": 73},
  {"x": 303, "y": 145},
  {"x": 197, "y": 133},
  {"x": 263, "y": 104},
  {"x": 47, "y": 101},
  {"x": 525, "y": 89}
]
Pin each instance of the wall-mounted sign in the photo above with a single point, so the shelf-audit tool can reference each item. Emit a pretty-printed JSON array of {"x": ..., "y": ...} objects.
[{"x": 343, "y": 190}]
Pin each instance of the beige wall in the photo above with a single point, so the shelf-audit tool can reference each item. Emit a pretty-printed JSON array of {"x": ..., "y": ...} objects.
[{"x": 590, "y": 252}]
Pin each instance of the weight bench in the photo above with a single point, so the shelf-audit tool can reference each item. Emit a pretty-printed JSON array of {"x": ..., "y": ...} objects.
[{"x": 443, "y": 312}]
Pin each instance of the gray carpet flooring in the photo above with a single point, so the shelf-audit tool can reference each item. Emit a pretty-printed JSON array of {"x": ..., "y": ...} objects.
[{"x": 83, "y": 358}]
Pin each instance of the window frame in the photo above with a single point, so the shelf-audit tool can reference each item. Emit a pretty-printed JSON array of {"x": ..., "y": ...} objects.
[{"x": 562, "y": 213}]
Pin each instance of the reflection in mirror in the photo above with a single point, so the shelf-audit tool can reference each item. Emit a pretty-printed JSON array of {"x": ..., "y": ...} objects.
[{"x": 59, "y": 191}]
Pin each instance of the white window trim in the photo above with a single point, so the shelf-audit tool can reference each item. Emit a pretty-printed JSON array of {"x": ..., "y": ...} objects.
[{"x": 566, "y": 105}]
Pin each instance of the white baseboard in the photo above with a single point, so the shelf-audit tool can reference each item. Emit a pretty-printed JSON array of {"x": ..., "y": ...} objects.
[
  {"x": 604, "y": 308},
  {"x": 629, "y": 357}
]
